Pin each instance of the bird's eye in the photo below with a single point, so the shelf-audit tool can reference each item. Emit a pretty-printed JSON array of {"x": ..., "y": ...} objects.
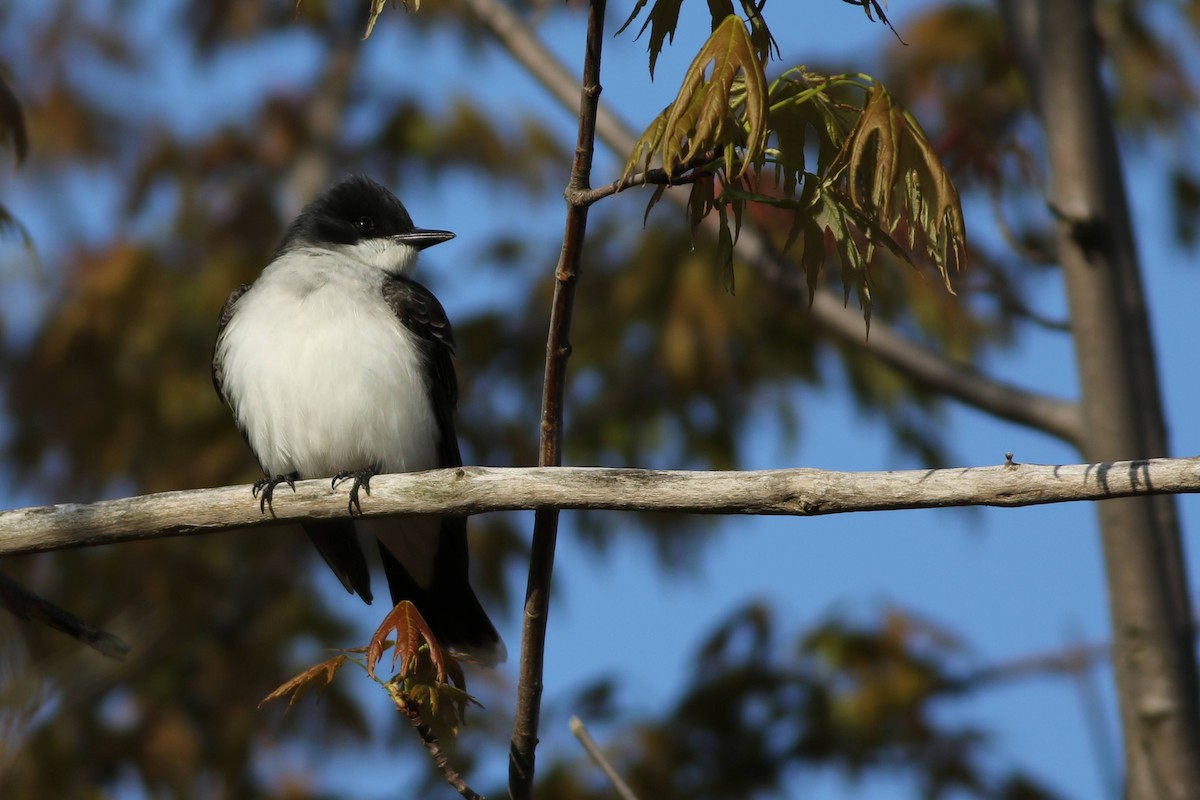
[{"x": 364, "y": 224}]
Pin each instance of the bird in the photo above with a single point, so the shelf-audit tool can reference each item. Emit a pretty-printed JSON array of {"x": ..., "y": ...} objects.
[{"x": 337, "y": 364}]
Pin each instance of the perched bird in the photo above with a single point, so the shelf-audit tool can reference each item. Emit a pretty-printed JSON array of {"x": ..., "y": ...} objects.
[{"x": 337, "y": 364}]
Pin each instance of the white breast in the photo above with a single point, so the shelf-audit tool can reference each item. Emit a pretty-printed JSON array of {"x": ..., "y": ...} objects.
[{"x": 322, "y": 376}]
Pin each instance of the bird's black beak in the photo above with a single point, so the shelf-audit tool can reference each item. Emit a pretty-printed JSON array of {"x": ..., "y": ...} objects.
[{"x": 420, "y": 238}]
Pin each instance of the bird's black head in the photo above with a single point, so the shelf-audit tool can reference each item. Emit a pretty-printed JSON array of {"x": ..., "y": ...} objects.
[{"x": 356, "y": 212}]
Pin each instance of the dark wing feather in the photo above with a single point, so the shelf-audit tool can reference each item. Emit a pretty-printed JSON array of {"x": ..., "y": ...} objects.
[
  {"x": 448, "y": 604},
  {"x": 338, "y": 544},
  {"x": 420, "y": 312}
]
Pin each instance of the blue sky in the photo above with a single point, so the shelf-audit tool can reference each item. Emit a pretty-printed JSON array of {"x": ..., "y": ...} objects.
[{"x": 1011, "y": 582}]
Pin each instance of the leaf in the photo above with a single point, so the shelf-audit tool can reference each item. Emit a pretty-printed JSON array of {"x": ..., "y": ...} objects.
[
  {"x": 410, "y": 629},
  {"x": 447, "y": 702},
  {"x": 700, "y": 202},
  {"x": 760, "y": 35},
  {"x": 318, "y": 676},
  {"x": 719, "y": 9},
  {"x": 663, "y": 19},
  {"x": 886, "y": 179},
  {"x": 725, "y": 249},
  {"x": 877, "y": 182},
  {"x": 872, "y": 6},
  {"x": 888, "y": 151},
  {"x": 874, "y": 153},
  {"x": 726, "y": 112},
  {"x": 659, "y": 191},
  {"x": 428, "y": 676}
]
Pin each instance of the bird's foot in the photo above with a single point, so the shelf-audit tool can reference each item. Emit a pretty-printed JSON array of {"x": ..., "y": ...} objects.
[
  {"x": 265, "y": 487},
  {"x": 362, "y": 480}
]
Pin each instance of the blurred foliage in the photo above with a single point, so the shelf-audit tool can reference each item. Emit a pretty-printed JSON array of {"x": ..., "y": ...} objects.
[
  {"x": 13, "y": 136},
  {"x": 845, "y": 696},
  {"x": 108, "y": 389}
]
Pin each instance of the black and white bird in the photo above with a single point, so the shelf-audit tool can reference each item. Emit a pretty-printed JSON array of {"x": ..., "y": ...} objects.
[{"x": 338, "y": 364}]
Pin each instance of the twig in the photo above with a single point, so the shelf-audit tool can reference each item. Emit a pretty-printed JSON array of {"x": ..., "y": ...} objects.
[
  {"x": 412, "y": 710},
  {"x": 589, "y": 746},
  {"x": 558, "y": 350},
  {"x": 1105, "y": 749},
  {"x": 24, "y": 604},
  {"x": 472, "y": 490},
  {"x": 685, "y": 174}
]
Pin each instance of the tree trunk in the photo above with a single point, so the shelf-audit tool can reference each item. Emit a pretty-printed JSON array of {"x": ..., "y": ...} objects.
[{"x": 1153, "y": 656}]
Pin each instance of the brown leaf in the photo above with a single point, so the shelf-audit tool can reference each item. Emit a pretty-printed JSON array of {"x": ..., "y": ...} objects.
[
  {"x": 410, "y": 629},
  {"x": 318, "y": 675}
]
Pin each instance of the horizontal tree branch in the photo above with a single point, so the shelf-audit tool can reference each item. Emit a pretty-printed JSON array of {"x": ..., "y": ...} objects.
[{"x": 474, "y": 490}]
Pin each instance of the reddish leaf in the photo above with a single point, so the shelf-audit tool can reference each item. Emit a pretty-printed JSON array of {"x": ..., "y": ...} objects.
[
  {"x": 319, "y": 675},
  {"x": 410, "y": 629}
]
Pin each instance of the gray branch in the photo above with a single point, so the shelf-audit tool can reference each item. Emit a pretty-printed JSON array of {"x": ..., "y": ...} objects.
[{"x": 475, "y": 490}]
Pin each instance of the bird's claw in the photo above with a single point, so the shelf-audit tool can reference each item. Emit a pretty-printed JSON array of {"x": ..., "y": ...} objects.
[
  {"x": 362, "y": 480},
  {"x": 266, "y": 487}
]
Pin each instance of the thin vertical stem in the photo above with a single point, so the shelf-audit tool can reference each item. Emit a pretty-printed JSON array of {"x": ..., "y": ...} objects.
[{"x": 558, "y": 350}]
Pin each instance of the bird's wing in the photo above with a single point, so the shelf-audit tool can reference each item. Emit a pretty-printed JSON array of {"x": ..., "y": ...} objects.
[
  {"x": 420, "y": 312},
  {"x": 218, "y": 375},
  {"x": 426, "y": 558}
]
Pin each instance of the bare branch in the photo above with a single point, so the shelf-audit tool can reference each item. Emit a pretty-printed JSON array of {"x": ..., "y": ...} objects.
[
  {"x": 412, "y": 711},
  {"x": 24, "y": 604},
  {"x": 476, "y": 490},
  {"x": 653, "y": 177},
  {"x": 593, "y": 751}
]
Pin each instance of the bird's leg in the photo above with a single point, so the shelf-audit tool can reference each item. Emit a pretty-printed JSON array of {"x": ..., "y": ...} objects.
[
  {"x": 362, "y": 480},
  {"x": 266, "y": 485}
]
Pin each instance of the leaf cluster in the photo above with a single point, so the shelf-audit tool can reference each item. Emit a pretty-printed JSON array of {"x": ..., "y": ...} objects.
[
  {"x": 663, "y": 18},
  {"x": 839, "y": 152},
  {"x": 428, "y": 676}
]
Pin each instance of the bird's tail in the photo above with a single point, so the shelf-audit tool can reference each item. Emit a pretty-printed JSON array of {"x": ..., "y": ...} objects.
[{"x": 426, "y": 561}]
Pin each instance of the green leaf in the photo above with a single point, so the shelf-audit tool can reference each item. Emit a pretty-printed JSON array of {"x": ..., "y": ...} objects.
[
  {"x": 700, "y": 202},
  {"x": 872, "y": 7},
  {"x": 725, "y": 113},
  {"x": 659, "y": 191},
  {"x": 725, "y": 249},
  {"x": 874, "y": 153},
  {"x": 760, "y": 35},
  {"x": 877, "y": 185},
  {"x": 663, "y": 19}
]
